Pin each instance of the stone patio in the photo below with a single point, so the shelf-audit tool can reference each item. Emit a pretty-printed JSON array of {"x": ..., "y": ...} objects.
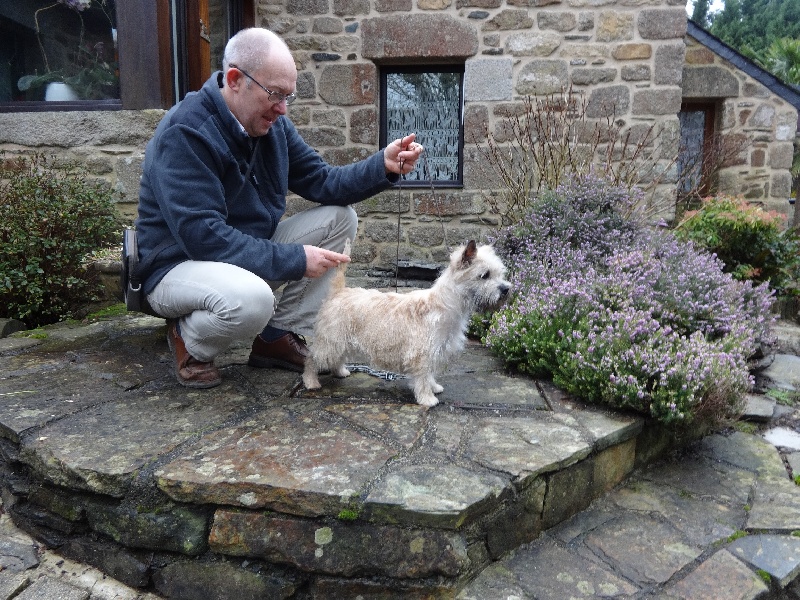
[{"x": 273, "y": 491}]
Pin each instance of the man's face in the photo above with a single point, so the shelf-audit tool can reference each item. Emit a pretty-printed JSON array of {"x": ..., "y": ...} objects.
[{"x": 250, "y": 102}]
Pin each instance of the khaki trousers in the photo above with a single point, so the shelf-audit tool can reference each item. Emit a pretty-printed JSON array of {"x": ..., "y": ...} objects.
[{"x": 218, "y": 303}]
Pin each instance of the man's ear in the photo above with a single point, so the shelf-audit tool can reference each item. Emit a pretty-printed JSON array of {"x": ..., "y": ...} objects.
[
  {"x": 469, "y": 253},
  {"x": 233, "y": 78}
]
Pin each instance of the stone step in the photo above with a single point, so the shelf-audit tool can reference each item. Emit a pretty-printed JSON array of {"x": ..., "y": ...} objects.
[
  {"x": 718, "y": 522},
  {"x": 259, "y": 488}
]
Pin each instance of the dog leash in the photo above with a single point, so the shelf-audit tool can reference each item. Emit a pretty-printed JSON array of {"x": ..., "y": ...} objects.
[
  {"x": 387, "y": 375},
  {"x": 399, "y": 210},
  {"x": 427, "y": 172}
]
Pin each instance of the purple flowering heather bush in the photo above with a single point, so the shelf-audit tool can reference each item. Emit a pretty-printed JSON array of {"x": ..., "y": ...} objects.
[{"x": 624, "y": 315}]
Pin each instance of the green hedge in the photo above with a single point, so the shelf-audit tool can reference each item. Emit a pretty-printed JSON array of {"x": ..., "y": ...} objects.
[
  {"x": 52, "y": 217},
  {"x": 750, "y": 241}
]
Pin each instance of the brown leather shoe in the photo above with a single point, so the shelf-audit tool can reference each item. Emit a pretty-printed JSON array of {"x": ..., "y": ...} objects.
[
  {"x": 287, "y": 352},
  {"x": 189, "y": 371}
]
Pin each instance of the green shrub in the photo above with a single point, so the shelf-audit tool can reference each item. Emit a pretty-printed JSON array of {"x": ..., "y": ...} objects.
[
  {"x": 625, "y": 315},
  {"x": 51, "y": 219},
  {"x": 751, "y": 242}
]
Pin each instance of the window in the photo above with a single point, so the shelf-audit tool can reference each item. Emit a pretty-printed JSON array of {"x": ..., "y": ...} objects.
[
  {"x": 160, "y": 50},
  {"x": 58, "y": 50},
  {"x": 427, "y": 101},
  {"x": 695, "y": 160}
]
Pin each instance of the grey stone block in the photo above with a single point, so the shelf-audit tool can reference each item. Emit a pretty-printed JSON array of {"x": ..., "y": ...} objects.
[
  {"x": 778, "y": 555},
  {"x": 11, "y": 584},
  {"x": 487, "y": 79},
  {"x": 16, "y": 556},
  {"x": 758, "y": 408},
  {"x": 794, "y": 463},
  {"x": 9, "y": 326},
  {"x": 46, "y": 588},
  {"x": 198, "y": 580},
  {"x": 723, "y": 573}
]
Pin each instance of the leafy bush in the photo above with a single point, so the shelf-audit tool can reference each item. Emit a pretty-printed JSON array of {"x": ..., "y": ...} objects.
[
  {"x": 624, "y": 315},
  {"x": 51, "y": 219},
  {"x": 751, "y": 242}
]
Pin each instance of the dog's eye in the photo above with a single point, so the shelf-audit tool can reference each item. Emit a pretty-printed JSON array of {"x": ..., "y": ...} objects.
[{"x": 486, "y": 275}]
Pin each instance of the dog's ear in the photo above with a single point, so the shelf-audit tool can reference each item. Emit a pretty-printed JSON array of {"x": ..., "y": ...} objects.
[{"x": 470, "y": 252}]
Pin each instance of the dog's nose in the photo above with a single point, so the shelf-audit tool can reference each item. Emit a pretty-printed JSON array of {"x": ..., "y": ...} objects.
[{"x": 504, "y": 290}]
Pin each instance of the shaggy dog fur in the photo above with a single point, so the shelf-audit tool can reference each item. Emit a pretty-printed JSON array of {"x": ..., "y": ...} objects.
[{"x": 415, "y": 333}]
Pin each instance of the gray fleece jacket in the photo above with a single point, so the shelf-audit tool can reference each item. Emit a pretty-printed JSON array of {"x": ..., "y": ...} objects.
[{"x": 216, "y": 194}]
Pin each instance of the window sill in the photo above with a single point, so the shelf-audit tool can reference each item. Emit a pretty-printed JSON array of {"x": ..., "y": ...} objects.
[
  {"x": 426, "y": 184},
  {"x": 56, "y": 106}
]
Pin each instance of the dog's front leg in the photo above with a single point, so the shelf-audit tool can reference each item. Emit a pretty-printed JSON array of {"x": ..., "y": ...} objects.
[
  {"x": 310, "y": 379},
  {"x": 423, "y": 392}
]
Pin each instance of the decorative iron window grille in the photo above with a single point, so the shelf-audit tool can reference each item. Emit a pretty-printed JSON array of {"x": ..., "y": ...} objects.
[{"x": 427, "y": 101}]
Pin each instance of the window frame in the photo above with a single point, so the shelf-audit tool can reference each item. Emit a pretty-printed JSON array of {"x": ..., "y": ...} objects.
[
  {"x": 390, "y": 69},
  {"x": 147, "y": 70},
  {"x": 73, "y": 105}
]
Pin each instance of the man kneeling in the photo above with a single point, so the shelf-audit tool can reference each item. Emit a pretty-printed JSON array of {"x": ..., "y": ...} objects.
[{"x": 213, "y": 194}]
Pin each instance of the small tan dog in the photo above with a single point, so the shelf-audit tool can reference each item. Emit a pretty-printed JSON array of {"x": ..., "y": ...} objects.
[{"x": 413, "y": 333}]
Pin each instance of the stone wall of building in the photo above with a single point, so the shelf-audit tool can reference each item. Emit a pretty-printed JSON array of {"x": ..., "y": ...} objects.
[
  {"x": 109, "y": 144},
  {"x": 622, "y": 59},
  {"x": 757, "y": 128}
]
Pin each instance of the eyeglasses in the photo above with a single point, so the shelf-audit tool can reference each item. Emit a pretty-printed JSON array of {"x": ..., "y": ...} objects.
[{"x": 274, "y": 97}]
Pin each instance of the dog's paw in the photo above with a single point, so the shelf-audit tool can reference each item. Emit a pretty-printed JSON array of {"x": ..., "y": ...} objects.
[
  {"x": 341, "y": 372},
  {"x": 427, "y": 400},
  {"x": 311, "y": 382},
  {"x": 437, "y": 389}
]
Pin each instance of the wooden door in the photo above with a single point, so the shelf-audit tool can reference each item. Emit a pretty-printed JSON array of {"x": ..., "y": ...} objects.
[
  {"x": 198, "y": 44},
  {"x": 203, "y": 28}
]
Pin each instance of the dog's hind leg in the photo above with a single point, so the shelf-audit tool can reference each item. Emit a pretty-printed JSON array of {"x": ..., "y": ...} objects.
[
  {"x": 332, "y": 356},
  {"x": 435, "y": 387}
]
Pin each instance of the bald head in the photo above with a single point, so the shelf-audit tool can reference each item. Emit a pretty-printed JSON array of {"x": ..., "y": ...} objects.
[
  {"x": 251, "y": 49},
  {"x": 258, "y": 71}
]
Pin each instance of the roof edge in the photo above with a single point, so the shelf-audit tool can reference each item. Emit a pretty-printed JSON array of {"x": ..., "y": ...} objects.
[{"x": 764, "y": 77}]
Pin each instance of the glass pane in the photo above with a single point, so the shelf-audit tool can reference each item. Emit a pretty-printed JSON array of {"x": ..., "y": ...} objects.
[
  {"x": 218, "y": 26},
  {"x": 428, "y": 104},
  {"x": 690, "y": 156},
  {"x": 58, "y": 50}
]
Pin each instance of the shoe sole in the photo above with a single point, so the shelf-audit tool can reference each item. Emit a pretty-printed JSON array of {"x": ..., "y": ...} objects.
[{"x": 196, "y": 385}]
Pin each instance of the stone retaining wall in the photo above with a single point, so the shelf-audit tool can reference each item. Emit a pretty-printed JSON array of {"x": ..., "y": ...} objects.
[
  {"x": 110, "y": 144},
  {"x": 260, "y": 489},
  {"x": 200, "y": 551}
]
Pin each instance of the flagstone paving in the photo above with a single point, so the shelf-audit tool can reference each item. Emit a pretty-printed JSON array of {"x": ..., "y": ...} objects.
[{"x": 261, "y": 489}]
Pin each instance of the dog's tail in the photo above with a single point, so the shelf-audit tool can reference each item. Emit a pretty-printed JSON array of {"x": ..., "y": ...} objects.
[{"x": 338, "y": 282}]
